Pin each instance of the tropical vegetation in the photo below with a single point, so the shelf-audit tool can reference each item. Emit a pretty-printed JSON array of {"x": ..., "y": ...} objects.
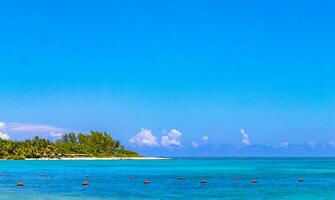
[{"x": 94, "y": 144}]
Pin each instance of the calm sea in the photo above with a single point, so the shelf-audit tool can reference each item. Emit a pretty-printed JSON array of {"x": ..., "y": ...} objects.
[{"x": 277, "y": 179}]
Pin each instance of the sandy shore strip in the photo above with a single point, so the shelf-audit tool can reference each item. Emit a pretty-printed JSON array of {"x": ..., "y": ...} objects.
[{"x": 96, "y": 158}]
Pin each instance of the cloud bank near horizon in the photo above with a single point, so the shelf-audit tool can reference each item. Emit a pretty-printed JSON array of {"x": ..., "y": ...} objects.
[
  {"x": 172, "y": 141},
  {"x": 39, "y": 128},
  {"x": 29, "y": 129}
]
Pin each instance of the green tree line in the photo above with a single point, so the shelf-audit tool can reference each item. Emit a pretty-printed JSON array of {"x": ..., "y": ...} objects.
[{"x": 94, "y": 144}]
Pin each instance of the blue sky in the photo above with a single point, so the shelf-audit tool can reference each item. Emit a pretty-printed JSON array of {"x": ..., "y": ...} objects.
[{"x": 149, "y": 68}]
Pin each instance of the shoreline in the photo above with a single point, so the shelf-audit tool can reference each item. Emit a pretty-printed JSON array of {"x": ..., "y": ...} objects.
[{"x": 97, "y": 158}]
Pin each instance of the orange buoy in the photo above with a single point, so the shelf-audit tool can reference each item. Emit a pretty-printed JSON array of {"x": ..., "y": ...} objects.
[
  {"x": 180, "y": 177},
  {"x": 254, "y": 181},
  {"x": 85, "y": 184},
  {"x": 146, "y": 181},
  {"x": 20, "y": 184},
  {"x": 301, "y": 180},
  {"x": 203, "y": 181}
]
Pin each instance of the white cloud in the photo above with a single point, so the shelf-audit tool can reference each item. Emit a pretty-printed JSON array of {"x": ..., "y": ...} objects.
[
  {"x": 38, "y": 128},
  {"x": 312, "y": 144},
  {"x": 204, "y": 139},
  {"x": 171, "y": 139},
  {"x": 4, "y": 136},
  {"x": 284, "y": 144},
  {"x": 167, "y": 141},
  {"x": 174, "y": 133},
  {"x": 144, "y": 138},
  {"x": 2, "y": 125},
  {"x": 195, "y": 144},
  {"x": 245, "y": 137}
]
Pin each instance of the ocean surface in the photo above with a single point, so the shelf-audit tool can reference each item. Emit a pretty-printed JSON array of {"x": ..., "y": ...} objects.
[{"x": 277, "y": 179}]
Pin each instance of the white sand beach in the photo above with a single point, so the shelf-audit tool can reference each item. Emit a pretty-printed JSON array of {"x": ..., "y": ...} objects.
[{"x": 97, "y": 158}]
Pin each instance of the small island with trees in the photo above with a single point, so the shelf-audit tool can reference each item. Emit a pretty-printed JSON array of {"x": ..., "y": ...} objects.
[{"x": 93, "y": 145}]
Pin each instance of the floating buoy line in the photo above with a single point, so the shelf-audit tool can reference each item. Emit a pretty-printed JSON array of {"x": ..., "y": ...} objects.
[
  {"x": 20, "y": 184},
  {"x": 146, "y": 181}
]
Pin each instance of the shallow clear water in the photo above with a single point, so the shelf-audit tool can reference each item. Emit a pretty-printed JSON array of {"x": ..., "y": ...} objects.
[{"x": 277, "y": 179}]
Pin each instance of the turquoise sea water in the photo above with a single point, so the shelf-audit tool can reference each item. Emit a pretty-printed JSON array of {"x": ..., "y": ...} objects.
[{"x": 277, "y": 179}]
